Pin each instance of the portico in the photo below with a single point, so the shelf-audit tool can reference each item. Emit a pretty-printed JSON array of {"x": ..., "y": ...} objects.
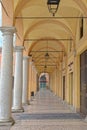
[{"x": 49, "y": 51}]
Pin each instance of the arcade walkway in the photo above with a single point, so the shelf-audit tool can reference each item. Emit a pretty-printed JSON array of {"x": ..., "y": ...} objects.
[{"x": 47, "y": 112}]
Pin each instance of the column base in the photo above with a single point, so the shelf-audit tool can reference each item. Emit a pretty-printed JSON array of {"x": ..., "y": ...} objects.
[
  {"x": 17, "y": 110},
  {"x": 7, "y": 122},
  {"x": 29, "y": 102},
  {"x": 25, "y": 103},
  {"x": 32, "y": 97},
  {"x": 86, "y": 118}
]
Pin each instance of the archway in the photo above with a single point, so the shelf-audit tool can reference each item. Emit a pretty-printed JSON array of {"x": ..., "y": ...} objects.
[{"x": 44, "y": 81}]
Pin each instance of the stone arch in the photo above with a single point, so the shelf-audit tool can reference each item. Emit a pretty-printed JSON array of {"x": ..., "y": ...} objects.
[
  {"x": 35, "y": 43},
  {"x": 7, "y": 18}
]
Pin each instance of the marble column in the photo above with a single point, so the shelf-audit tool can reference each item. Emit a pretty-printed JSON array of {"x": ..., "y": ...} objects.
[
  {"x": 6, "y": 76},
  {"x": 18, "y": 80},
  {"x": 25, "y": 80},
  {"x": 32, "y": 82},
  {"x": 35, "y": 81},
  {"x": 30, "y": 78}
]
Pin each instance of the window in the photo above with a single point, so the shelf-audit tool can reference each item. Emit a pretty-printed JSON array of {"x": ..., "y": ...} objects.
[
  {"x": 0, "y": 24},
  {"x": 81, "y": 27}
]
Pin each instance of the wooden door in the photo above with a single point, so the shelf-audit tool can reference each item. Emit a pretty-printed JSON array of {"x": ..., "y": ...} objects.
[
  {"x": 71, "y": 88},
  {"x": 83, "y": 82},
  {"x": 63, "y": 87}
]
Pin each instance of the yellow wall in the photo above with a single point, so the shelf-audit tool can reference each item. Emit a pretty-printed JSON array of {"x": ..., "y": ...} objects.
[{"x": 65, "y": 69}]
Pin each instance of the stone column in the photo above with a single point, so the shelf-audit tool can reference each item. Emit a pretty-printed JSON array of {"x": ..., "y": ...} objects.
[
  {"x": 35, "y": 81},
  {"x": 32, "y": 83},
  {"x": 6, "y": 76},
  {"x": 18, "y": 80},
  {"x": 30, "y": 78},
  {"x": 25, "y": 79}
]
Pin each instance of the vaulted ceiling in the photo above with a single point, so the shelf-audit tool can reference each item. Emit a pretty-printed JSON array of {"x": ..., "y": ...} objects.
[{"x": 44, "y": 30}]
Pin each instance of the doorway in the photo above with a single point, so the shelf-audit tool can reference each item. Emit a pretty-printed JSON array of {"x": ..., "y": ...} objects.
[
  {"x": 83, "y": 82},
  {"x": 71, "y": 88},
  {"x": 63, "y": 87},
  {"x": 43, "y": 81}
]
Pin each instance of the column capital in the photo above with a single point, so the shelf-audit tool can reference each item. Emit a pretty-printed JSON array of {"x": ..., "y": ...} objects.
[
  {"x": 7, "y": 30},
  {"x": 18, "y": 48},
  {"x": 25, "y": 57}
]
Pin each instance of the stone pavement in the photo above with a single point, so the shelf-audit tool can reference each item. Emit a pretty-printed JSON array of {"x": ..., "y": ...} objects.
[{"x": 47, "y": 112}]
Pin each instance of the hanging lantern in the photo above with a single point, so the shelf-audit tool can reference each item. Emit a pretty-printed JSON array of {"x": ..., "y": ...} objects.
[
  {"x": 47, "y": 56},
  {"x": 53, "y": 6},
  {"x": 45, "y": 66}
]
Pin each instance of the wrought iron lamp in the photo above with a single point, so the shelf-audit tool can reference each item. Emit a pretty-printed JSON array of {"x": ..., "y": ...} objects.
[
  {"x": 47, "y": 56},
  {"x": 45, "y": 66},
  {"x": 53, "y": 6}
]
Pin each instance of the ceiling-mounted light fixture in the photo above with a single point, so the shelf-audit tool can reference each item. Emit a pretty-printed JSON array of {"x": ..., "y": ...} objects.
[
  {"x": 47, "y": 55},
  {"x": 45, "y": 66},
  {"x": 53, "y": 6}
]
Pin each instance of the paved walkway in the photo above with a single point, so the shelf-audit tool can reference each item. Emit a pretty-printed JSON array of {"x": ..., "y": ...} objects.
[{"x": 47, "y": 112}]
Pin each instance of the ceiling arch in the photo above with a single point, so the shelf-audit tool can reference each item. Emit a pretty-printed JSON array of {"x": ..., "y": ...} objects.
[
  {"x": 57, "y": 28},
  {"x": 37, "y": 42},
  {"x": 41, "y": 55},
  {"x": 44, "y": 50},
  {"x": 55, "y": 22},
  {"x": 21, "y": 4},
  {"x": 38, "y": 54}
]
